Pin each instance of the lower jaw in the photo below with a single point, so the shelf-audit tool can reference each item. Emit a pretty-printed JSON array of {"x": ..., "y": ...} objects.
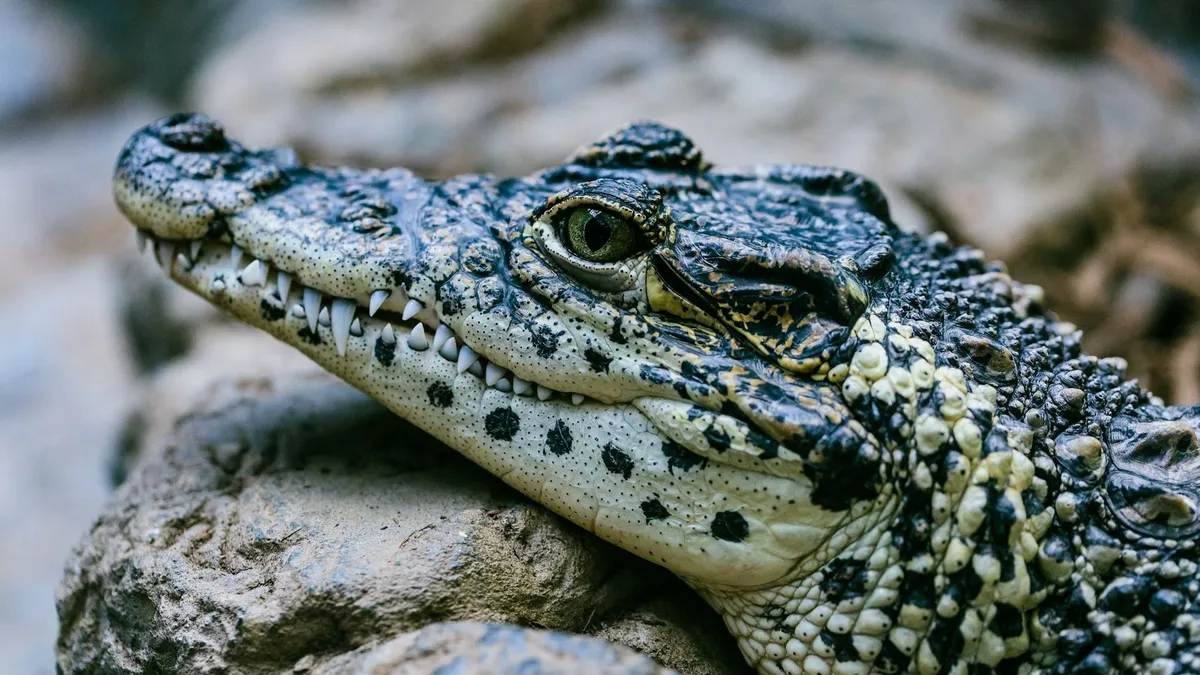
[{"x": 369, "y": 345}]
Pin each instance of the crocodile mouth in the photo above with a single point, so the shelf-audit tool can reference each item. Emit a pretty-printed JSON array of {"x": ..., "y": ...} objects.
[{"x": 216, "y": 268}]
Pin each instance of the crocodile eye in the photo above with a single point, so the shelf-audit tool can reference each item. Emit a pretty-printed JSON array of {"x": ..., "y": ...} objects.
[{"x": 597, "y": 235}]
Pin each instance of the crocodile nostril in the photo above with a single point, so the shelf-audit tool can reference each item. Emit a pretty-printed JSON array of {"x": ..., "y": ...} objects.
[{"x": 192, "y": 133}]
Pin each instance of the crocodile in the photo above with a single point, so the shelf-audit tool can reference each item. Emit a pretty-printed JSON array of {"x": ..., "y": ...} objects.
[{"x": 869, "y": 450}]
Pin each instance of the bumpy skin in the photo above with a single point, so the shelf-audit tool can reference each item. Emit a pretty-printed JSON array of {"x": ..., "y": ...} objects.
[{"x": 871, "y": 452}]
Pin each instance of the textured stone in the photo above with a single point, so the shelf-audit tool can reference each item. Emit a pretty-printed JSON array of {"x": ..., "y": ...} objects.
[{"x": 495, "y": 649}]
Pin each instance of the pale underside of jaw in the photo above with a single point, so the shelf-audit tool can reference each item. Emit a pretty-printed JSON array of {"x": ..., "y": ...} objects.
[{"x": 340, "y": 319}]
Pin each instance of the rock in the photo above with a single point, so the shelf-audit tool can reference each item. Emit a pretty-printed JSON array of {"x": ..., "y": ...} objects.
[
  {"x": 57, "y": 197},
  {"x": 45, "y": 61},
  {"x": 680, "y": 632},
  {"x": 65, "y": 385},
  {"x": 373, "y": 46},
  {"x": 492, "y": 649},
  {"x": 272, "y": 513},
  {"x": 991, "y": 141}
]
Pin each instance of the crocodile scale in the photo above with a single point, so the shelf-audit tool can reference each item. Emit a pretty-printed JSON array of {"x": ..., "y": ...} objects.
[{"x": 870, "y": 451}]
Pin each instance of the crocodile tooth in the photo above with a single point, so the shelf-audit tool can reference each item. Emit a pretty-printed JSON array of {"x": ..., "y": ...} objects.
[
  {"x": 142, "y": 238},
  {"x": 284, "y": 281},
  {"x": 164, "y": 253},
  {"x": 194, "y": 251},
  {"x": 576, "y": 399},
  {"x": 521, "y": 387},
  {"x": 235, "y": 256},
  {"x": 443, "y": 333},
  {"x": 544, "y": 393},
  {"x": 356, "y": 327},
  {"x": 494, "y": 374},
  {"x": 377, "y": 299},
  {"x": 340, "y": 319},
  {"x": 449, "y": 350},
  {"x": 217, "y": 285},
  {"x": 503, "y": 385},
  {"x": 298, "y": 311},
  {"x": 411, "y": 309},
  {"x": 476, "y": 369},
  {"x": 255, "y": 273},
  {"x": 466, "y": 358},
  {"x": 387, "y": 335},
  {"x": 312, "y": 307},
  {"x": 323, "y": 317},
  {"x": 416, "y": 339}
]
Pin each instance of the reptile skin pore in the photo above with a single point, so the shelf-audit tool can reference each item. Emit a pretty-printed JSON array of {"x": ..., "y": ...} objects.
[{"x": 870, "y": 451}]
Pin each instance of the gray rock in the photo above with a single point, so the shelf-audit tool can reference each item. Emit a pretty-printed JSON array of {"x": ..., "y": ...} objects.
[
  {"x": 65, "y": 385},
  {"x": 272, "y": 513},
  {"x": 492, "y": 649}
]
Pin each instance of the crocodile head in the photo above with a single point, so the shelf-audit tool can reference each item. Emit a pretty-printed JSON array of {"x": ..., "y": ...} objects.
[{"x": 866, "y": 449}]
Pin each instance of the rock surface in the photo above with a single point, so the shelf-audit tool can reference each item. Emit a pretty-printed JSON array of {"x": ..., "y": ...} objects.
[
  {"x": 492, "y": 649},
  {"x": 273, "y": 514}
]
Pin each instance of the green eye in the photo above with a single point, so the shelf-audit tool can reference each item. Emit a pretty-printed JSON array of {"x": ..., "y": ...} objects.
[{"x": 599, "y": 236}]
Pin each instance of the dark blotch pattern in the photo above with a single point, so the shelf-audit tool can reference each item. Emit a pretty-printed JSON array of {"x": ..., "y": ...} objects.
[
  {"x": 654, "y": 510},
  {"x": 384, "y": 353},
  {"x": 679, "y": 457},
  {"x": 730, "y": 526},
  {"x": 440, "y": 394},
  {"x": 502, "y": 424},
  {"x": 598, "y": 362},
  {"x": 558, "y": 439},
  {"x": 271, "y": 311},
  {"x": 617, "y": 460}
]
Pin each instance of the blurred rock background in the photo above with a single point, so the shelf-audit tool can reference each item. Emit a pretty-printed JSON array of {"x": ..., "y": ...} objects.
[{"x": 1060, "y": 136}]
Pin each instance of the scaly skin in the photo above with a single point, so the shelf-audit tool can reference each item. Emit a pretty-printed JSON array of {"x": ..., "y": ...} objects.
[{"x": 871, "y": 452}]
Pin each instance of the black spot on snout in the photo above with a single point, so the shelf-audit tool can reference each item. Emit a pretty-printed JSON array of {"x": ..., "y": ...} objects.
[
  {"x": 617, "y": 460},
  {"x": 545, "y": 341},
  {"x": 730, "y": 526},
  {"x": 502, "y": 424},
  {"x": 679, "y": 457},
  {"x": 385, "y": 353},
  {"x": 271, "y": 311},
  {"x": 599, "y": 362},
  {"x": 440, "y": 394},
  {"x": 654, "y": 510},
  {"x": 558, "y": 439}
]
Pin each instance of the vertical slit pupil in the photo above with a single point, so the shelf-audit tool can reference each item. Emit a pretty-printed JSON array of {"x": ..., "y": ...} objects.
[{"x": 597, "y": 231}]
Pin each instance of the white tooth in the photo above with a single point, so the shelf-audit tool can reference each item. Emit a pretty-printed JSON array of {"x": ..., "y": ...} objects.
[
  {"x": 164, "y": 253},
  {"x": 388, "y": 335},
  {"x": 356, "y": 327},
  {"x": 255, "y": 273},
  {"x": 576, "y": 399},
  {"x": 195, "y": 249},
  {"x": 443, "y": 333},
  {"x": 449, "y": 350},
  {"x": 217, "y": 286},
  {"x": 416, "y": 339},
  {"x": 340, "y": 318},
  {"x": 520, "y": 386},
  {"x": 323, "y": 317},
  {"x": 142, "y": 238},
  {"x": 235, "y": 256},
  {"x": 494, "y": 374},
  {"x": 466, "y": 357},
  {"x": 284, "y": 281},
  {"x": 503, "y": 385},
  {"x": 544, "y": 393},
  {"x": 411, "y": 309},
  {"x": 377, "y": 299},
  {"x": 476, "y": 369},
  {"x": 298, "y": 311},
  {"x": 312, "y": 307}
]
